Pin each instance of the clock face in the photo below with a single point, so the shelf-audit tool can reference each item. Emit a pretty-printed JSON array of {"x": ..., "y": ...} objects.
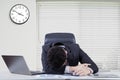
[{"x": 19, "y": 14}]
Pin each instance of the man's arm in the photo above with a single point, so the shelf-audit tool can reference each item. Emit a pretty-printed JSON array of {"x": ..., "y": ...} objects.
[
  {"x": 86, "y": 67},
  {"x": 84, "y": 58},
  {"x": 80, "y": 70}
]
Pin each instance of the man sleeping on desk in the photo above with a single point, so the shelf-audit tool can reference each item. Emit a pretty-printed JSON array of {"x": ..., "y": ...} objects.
[{"x": 61, "y": 58}]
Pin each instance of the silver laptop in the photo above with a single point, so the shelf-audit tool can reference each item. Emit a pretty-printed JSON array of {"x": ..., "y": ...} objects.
[{"x": 17, "y": 65}]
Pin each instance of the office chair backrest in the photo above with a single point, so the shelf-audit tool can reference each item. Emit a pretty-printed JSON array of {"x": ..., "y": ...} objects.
[{"x": 59, "y": 37}]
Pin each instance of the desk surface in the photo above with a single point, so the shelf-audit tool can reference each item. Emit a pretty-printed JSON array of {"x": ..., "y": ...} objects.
[{"x": 113, "y": 75}]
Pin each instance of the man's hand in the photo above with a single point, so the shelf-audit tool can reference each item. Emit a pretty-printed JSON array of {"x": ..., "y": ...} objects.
[{"x": 80, "y": 70}]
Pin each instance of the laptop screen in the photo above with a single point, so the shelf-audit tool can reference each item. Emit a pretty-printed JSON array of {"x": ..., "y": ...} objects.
[{"x": 16, "y": 64}]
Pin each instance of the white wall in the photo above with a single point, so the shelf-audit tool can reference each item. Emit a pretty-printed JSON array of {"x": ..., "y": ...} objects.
[{"x": 18, "y": 39}]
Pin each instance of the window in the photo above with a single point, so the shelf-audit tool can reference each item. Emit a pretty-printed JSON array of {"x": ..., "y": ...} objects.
[{"x": 95, "y": 25}]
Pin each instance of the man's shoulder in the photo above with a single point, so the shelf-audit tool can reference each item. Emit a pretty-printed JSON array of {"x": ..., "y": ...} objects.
[
  {"x": 72, "y": 45},
  {"x": 46, "y": 46}
]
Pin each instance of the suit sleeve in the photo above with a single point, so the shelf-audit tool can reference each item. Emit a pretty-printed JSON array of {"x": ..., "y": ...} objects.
[
  {"x": 46, "y": 67},
  {"x": 84, "y": 58}
]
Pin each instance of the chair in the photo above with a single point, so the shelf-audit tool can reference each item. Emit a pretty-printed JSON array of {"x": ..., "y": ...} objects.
[{"x": 59, "y": 37}]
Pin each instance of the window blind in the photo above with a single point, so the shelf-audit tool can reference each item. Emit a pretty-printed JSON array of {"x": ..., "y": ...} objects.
[{"x": 96, "y": 26}]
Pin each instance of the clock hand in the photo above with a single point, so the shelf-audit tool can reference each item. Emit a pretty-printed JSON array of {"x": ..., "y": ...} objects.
[
  {"x": 18, "y": 13},
  {"x": 21, "y": 14}
]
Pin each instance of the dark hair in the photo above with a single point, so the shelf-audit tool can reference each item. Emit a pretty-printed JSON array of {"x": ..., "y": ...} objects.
[{"x": 56, "y": 57}]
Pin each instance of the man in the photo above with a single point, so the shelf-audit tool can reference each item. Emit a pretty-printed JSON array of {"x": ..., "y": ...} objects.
[{"x": 64, "y": 58}]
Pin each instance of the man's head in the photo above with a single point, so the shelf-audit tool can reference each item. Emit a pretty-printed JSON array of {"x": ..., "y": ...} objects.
[{"x": 56, "y": 56}]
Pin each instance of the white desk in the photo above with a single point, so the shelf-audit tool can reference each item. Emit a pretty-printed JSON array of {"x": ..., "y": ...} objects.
[{"x": 9, "y": 76}]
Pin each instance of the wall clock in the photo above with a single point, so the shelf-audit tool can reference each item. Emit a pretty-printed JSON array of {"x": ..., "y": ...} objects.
[{"x": 19, "y": 14}]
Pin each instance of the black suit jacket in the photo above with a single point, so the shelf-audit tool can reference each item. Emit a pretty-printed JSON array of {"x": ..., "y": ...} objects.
[{"x": 75, "y": 55}]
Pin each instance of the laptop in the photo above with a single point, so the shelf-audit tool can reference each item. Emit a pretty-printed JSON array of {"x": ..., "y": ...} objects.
[{"x": 17, "y": 65}]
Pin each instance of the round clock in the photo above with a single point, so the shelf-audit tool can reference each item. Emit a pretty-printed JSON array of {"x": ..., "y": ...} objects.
[{"x": 19, "y": 14}]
